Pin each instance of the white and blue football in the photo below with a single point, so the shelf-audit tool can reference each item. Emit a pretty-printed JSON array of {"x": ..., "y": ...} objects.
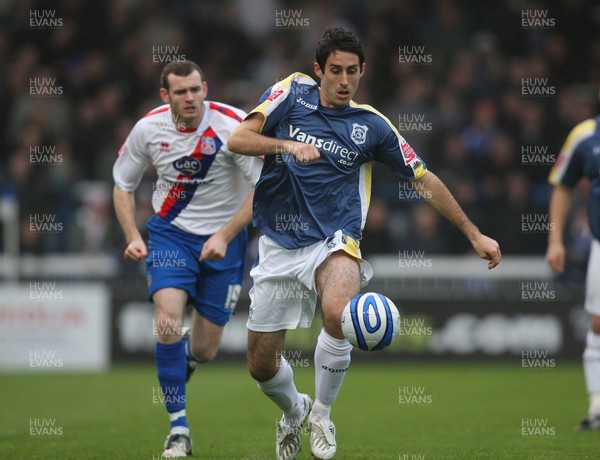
[{"x": 370, "y": 321}]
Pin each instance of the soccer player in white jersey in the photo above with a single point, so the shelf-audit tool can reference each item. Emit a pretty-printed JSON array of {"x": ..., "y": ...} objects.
[
  {"x": 579, "y": 158},
  {"x": 310, "y": 204},
  {"x": 197, "y": 237}
]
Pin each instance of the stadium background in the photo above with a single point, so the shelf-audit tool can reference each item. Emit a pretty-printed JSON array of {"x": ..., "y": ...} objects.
[{"x": 486, "y": 92}]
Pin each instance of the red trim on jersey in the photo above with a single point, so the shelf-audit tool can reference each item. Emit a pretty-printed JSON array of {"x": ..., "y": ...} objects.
[
  {"x": 225, "y": 111},
  {"x": 176, "y": 190},
  {"x": 187, "y": 130},
  {"x": 121, "y": 150}
]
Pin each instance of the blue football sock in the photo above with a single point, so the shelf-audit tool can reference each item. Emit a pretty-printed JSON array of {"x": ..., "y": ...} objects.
[{"x": 171, "y": 364}]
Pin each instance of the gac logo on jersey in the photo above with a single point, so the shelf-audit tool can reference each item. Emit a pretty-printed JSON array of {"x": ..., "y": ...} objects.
[{"x": 187, "y": 166}]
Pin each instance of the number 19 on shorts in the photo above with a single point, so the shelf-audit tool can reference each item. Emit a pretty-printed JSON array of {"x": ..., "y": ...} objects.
[{"x": 233, "y": 294}]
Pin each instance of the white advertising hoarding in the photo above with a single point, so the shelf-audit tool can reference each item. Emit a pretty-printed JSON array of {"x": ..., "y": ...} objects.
[{"x": 54, "y": 326}]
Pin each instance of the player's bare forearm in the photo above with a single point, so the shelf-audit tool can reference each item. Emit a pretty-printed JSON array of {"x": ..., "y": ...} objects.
[
  {"x": 442, "y": 200},
  {"x": 559, "y": 208},
  {"x": 240, "y": 220},
  {"x": 247, "y": 140},
  {"x": 438, "y": 195},
  {"x": 125, "y": 211},
  {"x": 215, "y": 247}
]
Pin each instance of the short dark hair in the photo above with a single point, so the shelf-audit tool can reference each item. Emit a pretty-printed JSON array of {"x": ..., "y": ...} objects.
[
  {"x": 179, "y": 68},
  {"x": 338, "y": 39}
]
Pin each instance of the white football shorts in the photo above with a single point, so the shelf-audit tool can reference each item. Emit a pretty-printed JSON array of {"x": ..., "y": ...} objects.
[
  {"x": 592, "y": 282},
  {"x": 284, "y": 292}
]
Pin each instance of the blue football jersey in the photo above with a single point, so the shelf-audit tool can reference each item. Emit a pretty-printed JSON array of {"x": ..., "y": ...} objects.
[
  {"x": 580, "y": 157},
  {"x": 298, "y": 204}
]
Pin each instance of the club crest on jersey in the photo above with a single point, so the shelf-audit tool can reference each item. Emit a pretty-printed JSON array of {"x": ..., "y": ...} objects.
[
  {"x": 187, "y": 166},
  {"x": 208, "y": 145},
  {"x": 359, "y": 133}
]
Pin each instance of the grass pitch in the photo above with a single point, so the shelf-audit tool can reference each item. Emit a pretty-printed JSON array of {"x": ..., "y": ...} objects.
[{"x": 396, "y": 411}]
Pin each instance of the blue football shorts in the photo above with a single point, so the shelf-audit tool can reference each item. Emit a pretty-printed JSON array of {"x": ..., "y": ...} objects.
[{"x": 213, "y": 287}]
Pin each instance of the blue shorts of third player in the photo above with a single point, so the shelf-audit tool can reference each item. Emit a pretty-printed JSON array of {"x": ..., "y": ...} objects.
[{"x": 172, "y": 262}]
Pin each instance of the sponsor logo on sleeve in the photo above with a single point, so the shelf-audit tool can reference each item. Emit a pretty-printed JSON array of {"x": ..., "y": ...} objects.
[
  {"x": 408, "y": 153},
  {"x": 275, "y": 93}
]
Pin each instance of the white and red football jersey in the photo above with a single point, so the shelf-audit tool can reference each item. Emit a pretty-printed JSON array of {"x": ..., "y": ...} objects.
[{"x": 200, "y": 184}]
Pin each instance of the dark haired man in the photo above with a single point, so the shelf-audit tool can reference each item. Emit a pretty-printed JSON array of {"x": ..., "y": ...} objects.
[
  {"x": 197, "y": 237},
  {"x": 310, "y": 205}
]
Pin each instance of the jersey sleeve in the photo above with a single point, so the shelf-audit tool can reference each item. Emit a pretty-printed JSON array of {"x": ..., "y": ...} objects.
[
  {"x": 251, "y": 168},
  {"x": 396, "y": 153},
  {"x": 276, "y": 101},
  {"x": 132, "y": 161},
  {"x": 568, "y": 168}
]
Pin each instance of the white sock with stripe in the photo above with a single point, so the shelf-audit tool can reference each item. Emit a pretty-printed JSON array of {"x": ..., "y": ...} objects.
[
  {"x": 281, "y": 389},
  {"x": 332, "y": 358}
]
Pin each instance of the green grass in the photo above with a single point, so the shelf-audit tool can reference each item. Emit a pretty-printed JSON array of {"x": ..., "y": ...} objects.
[{"x": 470, "y": 411}]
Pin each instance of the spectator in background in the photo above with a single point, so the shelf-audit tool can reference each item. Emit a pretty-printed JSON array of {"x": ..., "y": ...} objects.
[
  {"x": 479, "y": 136},
  {"x": 101, "y": 57},
  {"x": 376, "y": 235}
]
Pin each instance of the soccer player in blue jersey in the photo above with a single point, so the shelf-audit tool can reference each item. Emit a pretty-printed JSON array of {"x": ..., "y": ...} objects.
[
  {"x": 579, "y": 158},
  {"x": 310, "y": 205}
]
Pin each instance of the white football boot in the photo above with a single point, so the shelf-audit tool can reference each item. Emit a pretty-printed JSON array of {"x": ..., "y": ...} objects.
[{"x": 289, "y": 437}]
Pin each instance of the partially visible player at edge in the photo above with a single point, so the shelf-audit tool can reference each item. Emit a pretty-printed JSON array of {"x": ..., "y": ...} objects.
[
  {"x": 310, "y": 205},
  {"x": 197, "y": 237},
  {"x": 578, "y": 158}
]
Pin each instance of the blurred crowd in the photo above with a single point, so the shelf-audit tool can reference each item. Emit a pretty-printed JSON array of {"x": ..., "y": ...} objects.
[{"x": 486, "y": 93}]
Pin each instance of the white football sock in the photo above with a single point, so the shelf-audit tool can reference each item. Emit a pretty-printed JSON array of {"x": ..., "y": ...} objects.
[
  {"x": 320, "y": 411},
  {"x": 591, "y": 367},
  {"x": 332, "y": 358},
  {"x": 282, "y": 391}
]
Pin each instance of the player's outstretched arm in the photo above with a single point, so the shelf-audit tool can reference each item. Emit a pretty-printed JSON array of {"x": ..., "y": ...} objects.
[
  {"x": 247, "y": 140},
  {"x": 215, "y": 247},
  {"x": 125, "y": 209},
  {"x": 442, "y": 200},
  {"x": 559, "y": 208}
]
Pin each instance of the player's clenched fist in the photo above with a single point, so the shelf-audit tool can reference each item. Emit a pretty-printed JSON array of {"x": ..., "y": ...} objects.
[
  {"x": 488, "y": 249},
  {"x": 305, "y": 153},
  {"x": 556, "y": 255},
  {"x": 136, "y": 251},
  {"x": 215, "y": 248}
]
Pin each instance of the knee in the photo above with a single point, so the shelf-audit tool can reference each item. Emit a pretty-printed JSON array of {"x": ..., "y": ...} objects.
[
  {"x": 168, "y": 326},
  {"x": 333, "y": 326},
  {"x": 204, "y": 354},
  {"x": 261, "y": 370},
  {"x": 332, "y": 320}
]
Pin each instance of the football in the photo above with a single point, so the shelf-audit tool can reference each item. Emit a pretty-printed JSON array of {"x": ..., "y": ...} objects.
[{"x": 370, "y": 321}]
